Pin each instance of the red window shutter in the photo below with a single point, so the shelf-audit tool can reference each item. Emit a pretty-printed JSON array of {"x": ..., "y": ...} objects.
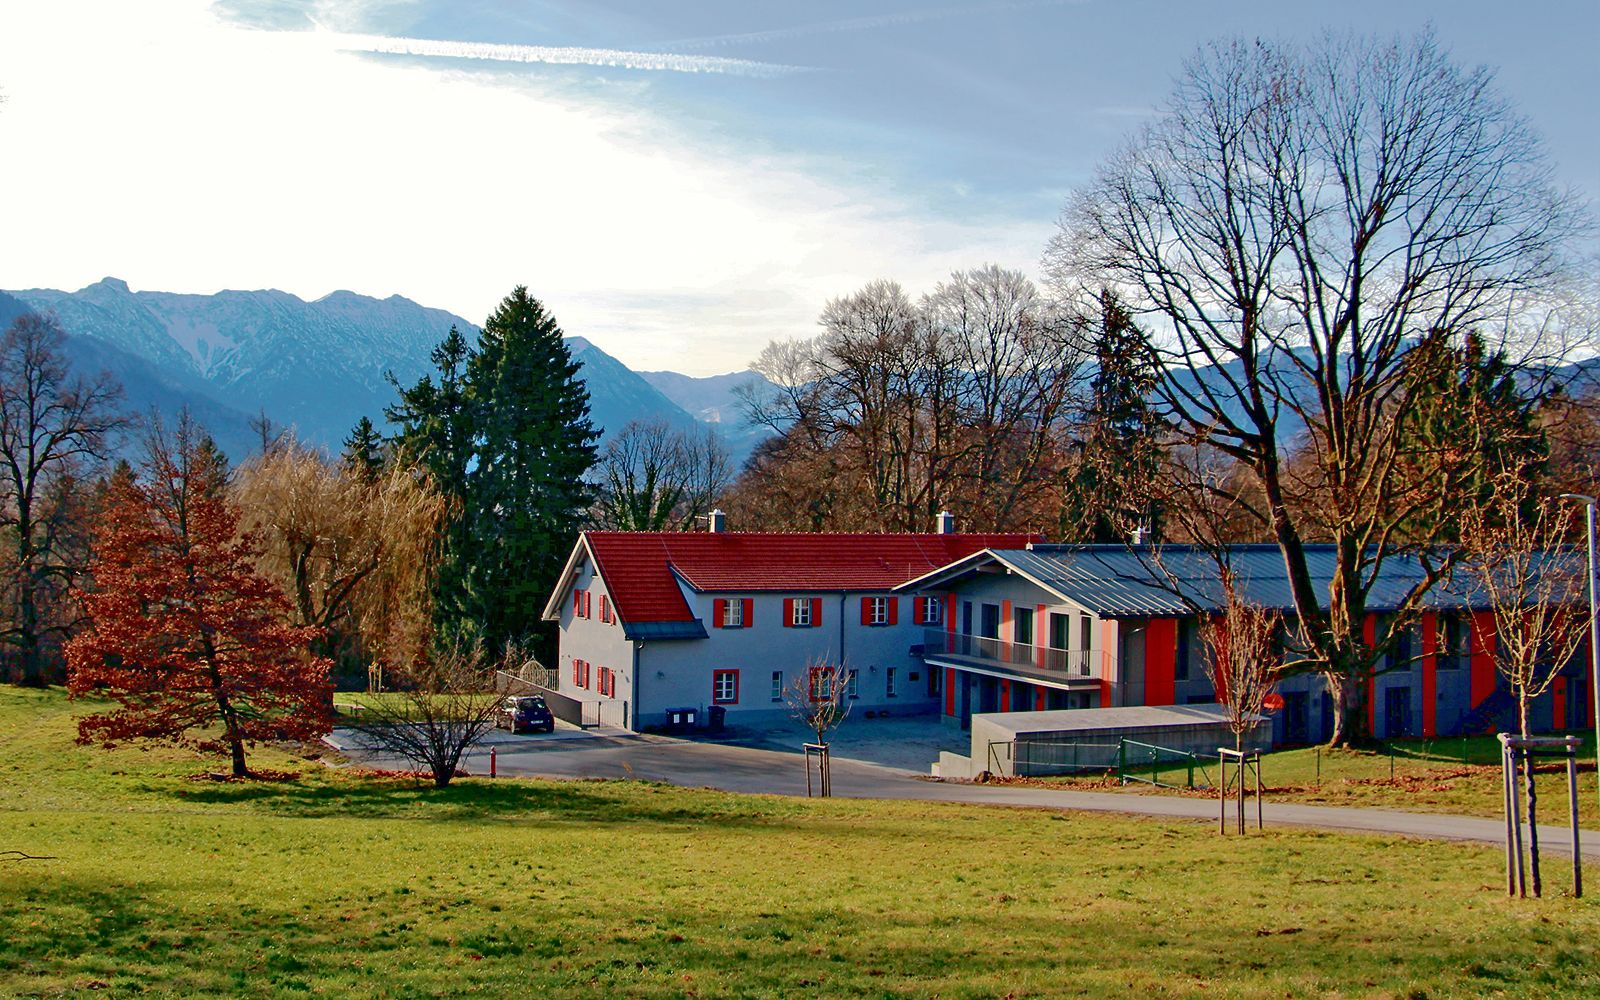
[
  {"x": 788, "y": 612},
  {"x": 577, "y": 602},
  {"x": 866, "y": 611},
  {"x": 894, "y": 610},
  {"x": 816, "y": 611},
  {"x": 719, "y": 612},
  {"x": 588, "y": 604},
  {"x": 749, "y": 612}
]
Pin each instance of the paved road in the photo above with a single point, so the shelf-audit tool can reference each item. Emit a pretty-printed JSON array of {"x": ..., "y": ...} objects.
[{"x": 746, "y": 769}]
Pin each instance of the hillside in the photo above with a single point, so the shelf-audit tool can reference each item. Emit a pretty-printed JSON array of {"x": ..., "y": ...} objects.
[{"x": 318, "y": 366}]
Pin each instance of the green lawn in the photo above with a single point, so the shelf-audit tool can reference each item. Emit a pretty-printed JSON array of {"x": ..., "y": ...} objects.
[
  {"x": 347, "y": 885},
  {"x": 1448, "y": 775}
]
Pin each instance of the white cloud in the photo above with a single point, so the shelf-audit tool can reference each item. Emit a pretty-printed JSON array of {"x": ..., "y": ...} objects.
[
  {"x": 554, "y": 55},
  {"x": 157, "y": 144}
]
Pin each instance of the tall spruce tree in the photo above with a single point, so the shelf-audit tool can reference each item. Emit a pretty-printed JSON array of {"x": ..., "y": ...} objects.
[
  {"x": 1111, "y": 483},
  {"x": 534, "y": 444},
  {"x": 436, "y": 431},
  {"x": 503, "y": 428}
]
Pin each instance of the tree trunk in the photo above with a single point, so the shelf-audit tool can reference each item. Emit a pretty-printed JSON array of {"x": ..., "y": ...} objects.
[{"x": 1349, "y": 710}]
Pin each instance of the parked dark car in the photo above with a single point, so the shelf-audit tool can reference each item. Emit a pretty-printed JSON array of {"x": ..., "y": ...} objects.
[{"x": 525, "y": 714}]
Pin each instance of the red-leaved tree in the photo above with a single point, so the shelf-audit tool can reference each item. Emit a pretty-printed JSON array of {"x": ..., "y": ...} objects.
[{"x": 193, "y": 644}]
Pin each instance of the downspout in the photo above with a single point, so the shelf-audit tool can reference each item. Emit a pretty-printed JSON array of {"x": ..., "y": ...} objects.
[
  {"x": 842, "y": 596},
  {"x": 637, "y": 678}
]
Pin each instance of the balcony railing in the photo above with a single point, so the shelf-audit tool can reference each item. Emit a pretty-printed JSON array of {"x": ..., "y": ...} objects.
[{"x": 1069, "y": 663}]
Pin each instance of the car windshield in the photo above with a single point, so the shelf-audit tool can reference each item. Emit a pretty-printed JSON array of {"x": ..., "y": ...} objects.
[{"x": 530, "y": 704}]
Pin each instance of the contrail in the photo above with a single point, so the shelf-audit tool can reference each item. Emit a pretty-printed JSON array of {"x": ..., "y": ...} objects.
[
  {"x": 864, "y": 23},
  {"x": 558, "y": 56}
]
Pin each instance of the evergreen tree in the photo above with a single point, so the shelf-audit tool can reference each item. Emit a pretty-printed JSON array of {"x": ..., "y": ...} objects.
[
  {"x": 363, "y": 451},
  {"x": 1111, "y": 483},
  {"x": 504, "y": 431},
  {"x": 534, "y": 444},
  {"x": 436, "y": 432},
  {"x": 1465, "y": 424}
]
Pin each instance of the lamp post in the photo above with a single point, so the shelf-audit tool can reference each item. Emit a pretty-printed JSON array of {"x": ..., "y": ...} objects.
[{"x": 1594, "y": 619}]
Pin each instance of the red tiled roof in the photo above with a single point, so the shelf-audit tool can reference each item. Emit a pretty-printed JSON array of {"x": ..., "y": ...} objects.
[{"x": 638, "y": 567}]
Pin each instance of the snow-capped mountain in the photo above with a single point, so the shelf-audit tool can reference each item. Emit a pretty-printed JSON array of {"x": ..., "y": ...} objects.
[{"x": 319, "y": 366}]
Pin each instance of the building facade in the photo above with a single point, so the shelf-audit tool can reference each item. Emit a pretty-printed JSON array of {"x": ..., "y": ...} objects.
[
  {"x": 1052, "y": 627},
  {"x": 654, "y": 625}
]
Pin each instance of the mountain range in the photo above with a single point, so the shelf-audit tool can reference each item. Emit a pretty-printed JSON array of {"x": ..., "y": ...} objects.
[{"x": 320, "y": 366}]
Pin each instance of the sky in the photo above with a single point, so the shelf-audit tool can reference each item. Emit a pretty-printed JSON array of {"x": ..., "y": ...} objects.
[{"x": 680, "y": 182}]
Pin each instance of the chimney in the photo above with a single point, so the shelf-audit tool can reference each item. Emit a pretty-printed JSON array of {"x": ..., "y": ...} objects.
[
  {"x": 717, "y": 522},
  {"x": 946, "y": 523}
]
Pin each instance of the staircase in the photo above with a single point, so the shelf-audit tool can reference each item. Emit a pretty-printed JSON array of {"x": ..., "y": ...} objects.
[{"x": 1493, "y": 714}]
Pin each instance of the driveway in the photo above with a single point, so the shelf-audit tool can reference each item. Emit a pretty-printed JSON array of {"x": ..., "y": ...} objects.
[{"x": 761, "y": 770}]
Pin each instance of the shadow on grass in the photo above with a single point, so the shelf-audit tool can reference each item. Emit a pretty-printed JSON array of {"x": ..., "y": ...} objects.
[{"x": 519, "y": 800}]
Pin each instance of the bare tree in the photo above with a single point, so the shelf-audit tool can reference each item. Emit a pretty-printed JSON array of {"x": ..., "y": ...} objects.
[
  {"x": 1242, "y": 658},
  {"x": 1522, "y": 560},
  {"x": 654, "y": 477},
  {"x": 819, "y": 698},
  {"x": 443, "y": 709},
  {"x": 901, "y": 408},
  {"x": 53, "y": 430},
  {"x": 1296, "y": 220}
]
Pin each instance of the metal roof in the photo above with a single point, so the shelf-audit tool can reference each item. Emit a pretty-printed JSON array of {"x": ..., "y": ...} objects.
[{"x": 1174, "y": 580}]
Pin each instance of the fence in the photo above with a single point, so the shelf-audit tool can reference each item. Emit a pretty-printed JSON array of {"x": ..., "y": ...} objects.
[{"x": 1126, "y": 760}]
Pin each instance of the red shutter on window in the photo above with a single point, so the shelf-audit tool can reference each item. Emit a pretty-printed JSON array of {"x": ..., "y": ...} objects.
[
  {"x": 816, "y": 611},
  {"x": 749, "y": 612},
  {"x": 866, "y": 611},
  {"x": 719, "y": 612},
  {"x": 588, "y": 604},
  {"x": 788, "y": 612},
  {"x": 577, "y": 602},
  {"x": 894, "y": 610}
]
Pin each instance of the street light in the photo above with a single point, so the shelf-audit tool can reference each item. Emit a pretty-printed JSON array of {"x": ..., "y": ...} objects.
[{"x": 1594, "y": 620}]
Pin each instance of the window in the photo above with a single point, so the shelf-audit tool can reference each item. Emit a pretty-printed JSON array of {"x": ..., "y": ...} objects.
[
  {"x": 821, "y": 683},
  {"x": 851, "y": 688},
  {"x": 930, "y": 611},
  {"x": 878, "y": 610},
  {"x": 989, "y": 621},
  {"x": 1180, "y": 661},
  {"x": 605, "y": 609},
  {"x": 580, "y": 673},
  {"x": 777, "y": 685},
  {"x": 1085, "y": 633},
  {"x": 733, "y": 612},
  {"x": 580, "y": 604},
  {"x": 888, "y": 682},
  {"x": 1022, "y": 627},
  {"x": 724, "y": 687},
  {"x": 1059, "y": 625},
  {"x": 608, "y": 682},
  {"x": 802, "y": 612}
]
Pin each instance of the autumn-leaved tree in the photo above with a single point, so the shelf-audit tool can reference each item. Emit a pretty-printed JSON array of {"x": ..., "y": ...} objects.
[{"x": 186, "y": 636}]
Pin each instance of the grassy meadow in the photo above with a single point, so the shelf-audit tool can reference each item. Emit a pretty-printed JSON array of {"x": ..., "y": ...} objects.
[{"x": 339, "y": 884}]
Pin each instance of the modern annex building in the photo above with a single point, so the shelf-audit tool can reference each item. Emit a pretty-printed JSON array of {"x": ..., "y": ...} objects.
[
  {"x": 653, "y": 623},
  {"x": 1099, "y": 626}
]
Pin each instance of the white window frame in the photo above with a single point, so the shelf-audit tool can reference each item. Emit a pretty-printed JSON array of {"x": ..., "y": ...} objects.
[
  {"x": 800, "y": 617},
  {"x": 733, "y": 613},
  {"x": 730, "y": 677},
  {"x": 852, "y": 684},
  {"x": 930, "y": 611},
  {"x": 777, "y": 685},
  {"x": 888, "y": 682},
  {"x": 878, "y": 611}
]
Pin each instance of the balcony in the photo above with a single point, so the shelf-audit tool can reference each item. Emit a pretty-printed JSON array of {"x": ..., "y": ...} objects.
[{"x": 1021, "y": 659}]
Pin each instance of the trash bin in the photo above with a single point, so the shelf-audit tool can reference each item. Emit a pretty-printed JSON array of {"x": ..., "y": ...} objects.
[{"x": 714, "y": 718}]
